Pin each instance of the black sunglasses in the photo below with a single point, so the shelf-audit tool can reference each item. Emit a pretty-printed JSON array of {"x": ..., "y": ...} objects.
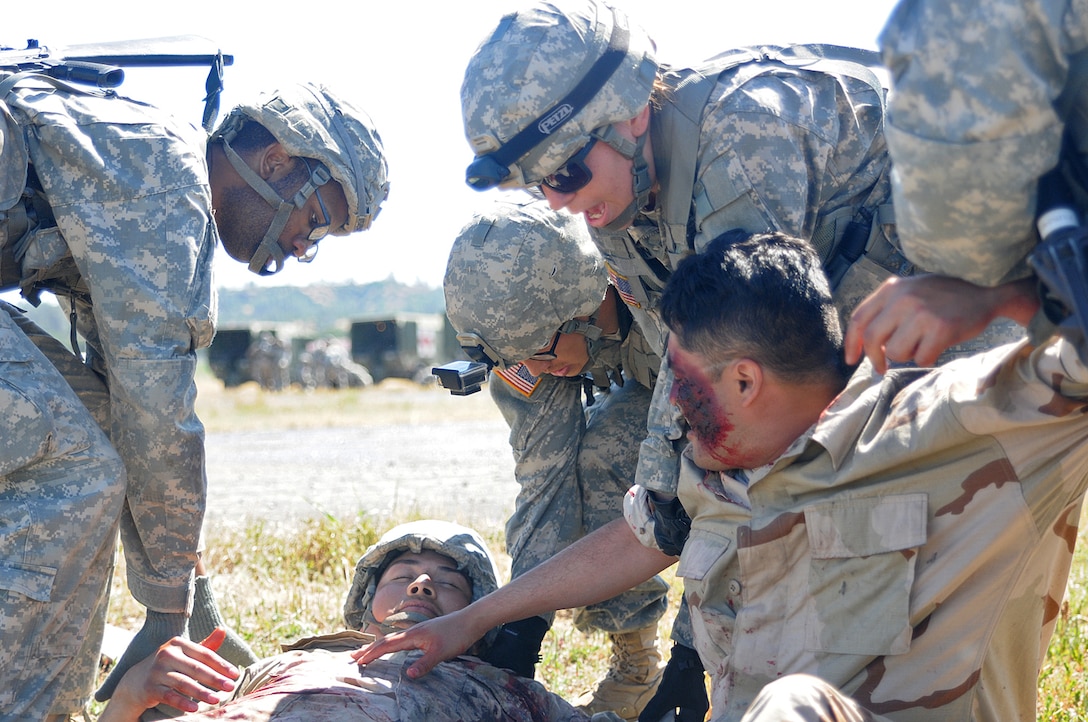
[
  {"x": 574, "y": 174},
  {"x": 548, "y": 355}
]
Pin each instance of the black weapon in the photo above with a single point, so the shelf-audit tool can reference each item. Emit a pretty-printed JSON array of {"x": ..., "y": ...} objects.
[
  {"x": 1061, "y": 261},
  {"x": 102, "y": 64}
]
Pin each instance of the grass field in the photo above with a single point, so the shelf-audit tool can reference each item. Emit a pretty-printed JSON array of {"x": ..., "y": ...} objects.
[{"x": 276, "y": 583}]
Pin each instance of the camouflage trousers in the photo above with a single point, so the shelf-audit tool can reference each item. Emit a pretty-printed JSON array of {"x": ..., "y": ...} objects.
[
  {"x": 62, "y": 487},
  {"x": 551, "y": 518}
]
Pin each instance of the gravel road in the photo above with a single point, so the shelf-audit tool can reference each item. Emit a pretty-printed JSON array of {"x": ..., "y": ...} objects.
[{"x": 457, "y": 470}]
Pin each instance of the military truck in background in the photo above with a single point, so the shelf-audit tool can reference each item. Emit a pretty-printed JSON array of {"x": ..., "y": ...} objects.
[
  {"x": 397, "y": 345},
  {"x": 227, "y": 355},
  {"x": 403, "y": 345}
]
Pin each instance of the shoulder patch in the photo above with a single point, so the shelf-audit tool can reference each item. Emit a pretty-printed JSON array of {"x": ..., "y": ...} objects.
[
  {"x": 519, "y": 377},
  {"x": 623, "y": 286}
]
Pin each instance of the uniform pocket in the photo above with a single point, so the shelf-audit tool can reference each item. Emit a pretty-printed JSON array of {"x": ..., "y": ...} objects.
[
  {"x": 863, "y": 555},
  {"x": 30, "y": 580}
]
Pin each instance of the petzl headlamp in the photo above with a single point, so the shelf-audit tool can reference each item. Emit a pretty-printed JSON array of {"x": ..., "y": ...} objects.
[{"x": 491, "y": 169}]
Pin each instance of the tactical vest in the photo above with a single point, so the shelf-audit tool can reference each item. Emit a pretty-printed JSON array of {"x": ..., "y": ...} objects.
[
  {"x": 634, "y": 355},
  {"x": 641, "y": 259}
]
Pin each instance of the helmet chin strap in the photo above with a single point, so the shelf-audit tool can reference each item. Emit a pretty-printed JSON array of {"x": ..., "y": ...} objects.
[
  {"x": 640, "y": 175},
  {"x": 269, "y": 250}
]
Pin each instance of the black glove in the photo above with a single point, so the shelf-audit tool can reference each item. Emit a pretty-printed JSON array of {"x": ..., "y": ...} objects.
[
  {"x": 517, "y": 646},
  {"x": 159, "y": 627},
  {"x": 682, "y": 694},
  {"x": 671, "y": 524}
]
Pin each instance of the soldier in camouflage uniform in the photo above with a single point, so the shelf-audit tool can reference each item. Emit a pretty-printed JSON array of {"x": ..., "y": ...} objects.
[
  {"x": 986, "y": 99},
  {"x": 526, "y": 287},
  {"x": 903, "y": 537},
  {"x": 108, "y": 203},
  {"x": 415, "y": 572},
  {"x": 660, "y": 160}
]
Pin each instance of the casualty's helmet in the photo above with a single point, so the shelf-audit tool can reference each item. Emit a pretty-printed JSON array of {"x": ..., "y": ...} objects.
[
  {"x": 544, "y": 80},
  {"x": 517, "y": 273},
  {"x": 461, "y": 544},
  {"x": 310, "y": 121}
]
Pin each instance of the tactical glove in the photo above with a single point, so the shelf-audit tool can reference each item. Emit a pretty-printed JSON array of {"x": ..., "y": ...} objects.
[
  {"x": 517, "y": 646},
  {"x": 159, "y": 627},
  {"x": 682, "y": 694},
  {"x": 671, "y": 523}
]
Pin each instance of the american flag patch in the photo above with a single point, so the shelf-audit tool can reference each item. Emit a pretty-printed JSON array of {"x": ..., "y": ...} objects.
[
  {"x": 623, "y": 286},
  {"x": 519, "y": 377}
]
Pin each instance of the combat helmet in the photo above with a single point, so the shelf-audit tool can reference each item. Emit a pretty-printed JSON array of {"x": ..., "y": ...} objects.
[
  {"x": 517, "y": 272},
  {"x": 310, "y": 121},
  {"x": 544, "y": 81},
  {"x": 461, "y": 544}
]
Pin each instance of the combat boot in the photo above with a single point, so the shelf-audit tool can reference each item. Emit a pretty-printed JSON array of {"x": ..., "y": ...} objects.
[{"x": 634, "y": 673}]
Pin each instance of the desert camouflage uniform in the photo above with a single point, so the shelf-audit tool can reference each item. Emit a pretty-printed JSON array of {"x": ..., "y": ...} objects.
[
  {"x": 317, "y": 680},
  {"x": 780, "y": 148},
  {"x": 61, "y": 490},
  {"x": 129, "y": 257},
  {"x": 574, "y": 464},
  {"x": 974, "y": 121},
  {"x": 925, "y": 522}
]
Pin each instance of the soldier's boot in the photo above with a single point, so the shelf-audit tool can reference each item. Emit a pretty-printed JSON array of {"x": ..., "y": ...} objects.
[{"x": 634, "y": 673}]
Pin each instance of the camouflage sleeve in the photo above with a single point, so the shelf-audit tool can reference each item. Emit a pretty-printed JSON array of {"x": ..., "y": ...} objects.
[
  {"x": 780, "y": 149},
  {"x": 130, "y": 195},
  {"x": 972, "y": 126},
  {"x": 659, "y": 455},
  {"x": 546, "y": 429}
]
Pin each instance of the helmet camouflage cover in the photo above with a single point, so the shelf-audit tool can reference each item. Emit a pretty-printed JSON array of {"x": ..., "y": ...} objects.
[
  {"x": 461, "y": 544},
  {"x": 533, "y": 58},
  {"x": 310, "y": 121},
  {"x": 517, "y": 272}
]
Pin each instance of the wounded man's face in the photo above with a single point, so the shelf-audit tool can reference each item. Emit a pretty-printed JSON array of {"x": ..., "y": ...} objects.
[{"x": 416, "y": 587}]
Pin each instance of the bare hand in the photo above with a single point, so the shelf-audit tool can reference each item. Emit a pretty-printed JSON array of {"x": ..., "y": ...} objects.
[
  {"x": 181, "y": 674},
  {"x": 440, "y": 639},
  {"x": 918, "y": 318}
]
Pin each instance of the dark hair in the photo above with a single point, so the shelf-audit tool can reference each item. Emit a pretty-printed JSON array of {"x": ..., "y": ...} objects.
[
  {"x": 252, "y": 136},
  {"x": 761, "y": 296}
]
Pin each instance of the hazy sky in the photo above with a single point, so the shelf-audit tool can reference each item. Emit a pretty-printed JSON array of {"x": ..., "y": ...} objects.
[{"x": 402, "y": 62}]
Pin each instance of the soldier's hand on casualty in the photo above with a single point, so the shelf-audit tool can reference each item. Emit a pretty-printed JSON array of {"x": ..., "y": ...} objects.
[
  {"x": 440, "y": 639},
  {"x": 181, "y": 674},
  {"x": 916, "y": 319}
]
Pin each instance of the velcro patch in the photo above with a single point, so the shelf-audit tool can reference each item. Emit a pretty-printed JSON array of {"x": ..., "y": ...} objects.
[
  {"x": 623, "y": 286},
  {"x": 519, "y": 377}
]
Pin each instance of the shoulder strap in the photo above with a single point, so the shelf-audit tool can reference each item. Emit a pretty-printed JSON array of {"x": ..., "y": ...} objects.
[
  {"x": 689, "y": 90},
  {"x": 856, "y": 63}
]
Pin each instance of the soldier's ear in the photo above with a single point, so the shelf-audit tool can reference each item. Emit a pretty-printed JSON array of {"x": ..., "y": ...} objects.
[
  {"x": 641, "y": 122},
  {"x": 274, "y": 162}
]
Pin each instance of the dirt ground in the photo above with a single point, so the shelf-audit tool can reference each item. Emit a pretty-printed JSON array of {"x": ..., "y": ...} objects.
[{"x": 393, "y": 450}]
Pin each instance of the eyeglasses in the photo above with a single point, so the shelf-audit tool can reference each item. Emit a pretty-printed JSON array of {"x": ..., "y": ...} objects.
[
  {"x": 320, "y": 230},
  {"x": 548, "y": 355},
  {"x": 574, "y": 174}
]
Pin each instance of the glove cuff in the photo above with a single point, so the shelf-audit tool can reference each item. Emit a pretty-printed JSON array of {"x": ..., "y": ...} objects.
[{"x": 163, "y": 625}]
